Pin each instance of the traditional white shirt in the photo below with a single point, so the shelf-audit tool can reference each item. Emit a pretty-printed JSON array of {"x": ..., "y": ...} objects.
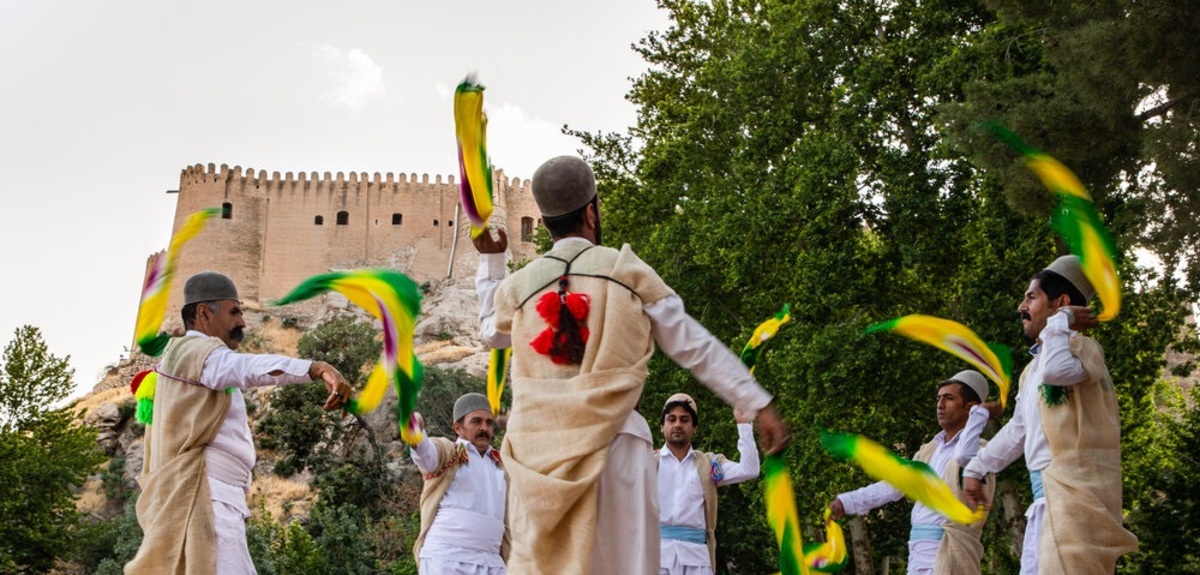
[
  {"x": 1052, "y": 364},
  {"x": 677, "y": 334},
  {"x": 469, "y": 525},
  {"x": 681, "y": 495},
  {"x": 961, "y": 447},
  {"x": 225, "y": 368}
]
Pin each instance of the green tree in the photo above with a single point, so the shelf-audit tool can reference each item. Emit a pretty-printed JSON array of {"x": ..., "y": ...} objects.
[
  {"x": 296, "y": 423},
  {"x": 44, "y": 456},
  {"x": 798, "y": 152}
]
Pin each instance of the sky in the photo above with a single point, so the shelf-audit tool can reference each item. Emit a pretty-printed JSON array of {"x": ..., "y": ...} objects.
[{"x": 103, "y": 103}]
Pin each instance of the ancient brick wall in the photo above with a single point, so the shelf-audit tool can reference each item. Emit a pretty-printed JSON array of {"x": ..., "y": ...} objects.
[{"x": 277, "y": 230}]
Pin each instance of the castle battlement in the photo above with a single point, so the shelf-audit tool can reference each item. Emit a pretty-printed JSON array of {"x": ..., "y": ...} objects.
[
  {"x": 360, "y": 182},
  {"x": 276, "y": 230}
]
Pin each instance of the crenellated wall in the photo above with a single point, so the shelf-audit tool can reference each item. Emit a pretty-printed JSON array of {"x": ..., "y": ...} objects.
[{"x": 269, "y": 240}]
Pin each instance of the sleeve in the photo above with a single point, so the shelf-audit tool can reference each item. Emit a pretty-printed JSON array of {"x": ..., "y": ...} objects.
[
  {"x": 487, "y": 281},
  {"x": 690, "y": 345},
  {"x": 425, "y": 455},
  {"x": 968, "y": 441},
  {"x": 1059, "y": 366},
  {"x": 747, "y": 467},
  {"x": 864, "y": 499},
  {"x": 225, "y": 368},
  {"x": 1003, "y": 449}
]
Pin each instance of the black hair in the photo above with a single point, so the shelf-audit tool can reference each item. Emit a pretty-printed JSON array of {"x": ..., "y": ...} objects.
[
  {"x": 188, "y": 313},
  {"x": 686, "y": 407},
  {"x": 570, "y": 222},
  {"x": 1054, "y": 285},
  {"x": 968, "y": 394}
]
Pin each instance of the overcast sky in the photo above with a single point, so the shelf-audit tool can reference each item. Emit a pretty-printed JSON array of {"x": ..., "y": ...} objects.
[{"x": 103, "y": 103}]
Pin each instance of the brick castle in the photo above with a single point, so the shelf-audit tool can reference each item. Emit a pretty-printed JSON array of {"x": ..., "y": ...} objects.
[{"x": 274, "y": 232}]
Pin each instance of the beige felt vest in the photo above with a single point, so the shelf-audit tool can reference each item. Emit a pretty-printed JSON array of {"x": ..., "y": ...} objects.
[
  {"x": 960, "y": 551},
  {"x": 564, "y": 417},
  {"x": 175, "y": 507},
  {"x": 1082, "y": 533}
]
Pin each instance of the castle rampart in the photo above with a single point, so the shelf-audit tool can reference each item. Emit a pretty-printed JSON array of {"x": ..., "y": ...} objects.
[{"x": 277, "y": 230}]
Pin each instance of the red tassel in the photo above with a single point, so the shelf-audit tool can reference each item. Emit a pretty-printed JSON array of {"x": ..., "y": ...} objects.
[
  {"x": 548, "y": 307},
  {"x": 579, "y": 303},
  {"x": 137, "y": 380},
  {"x": 544, "y": 342}
]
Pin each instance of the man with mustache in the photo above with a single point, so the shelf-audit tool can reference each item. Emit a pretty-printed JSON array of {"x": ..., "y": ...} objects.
[
  {"x": 1065, "y": 424},
  {"x": 937, "y": 546},
  {"x": 198, "y": 450},
  {"x": 582, "y": 321},
  {"x": 462, "y": 504},
  {"x": 687, "y": 487}
]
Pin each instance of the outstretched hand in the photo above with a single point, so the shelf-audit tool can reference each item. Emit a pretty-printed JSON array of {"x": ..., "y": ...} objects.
[
  {"x": 836, "y": 509},
  {"x": 972, "y": 490},
  {"x": 773, "y": 432},
  {"x": 486, "y": 244},
  {"x": 339, "y": 389}
]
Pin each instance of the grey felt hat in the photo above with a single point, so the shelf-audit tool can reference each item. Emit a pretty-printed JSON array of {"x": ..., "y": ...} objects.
[
  {"x": 972, "y": 379},
  {"x": 681, "y": 398},
  {"x": 209, "y": 286},
  {"x": 563, "y": 185},
  {"x": 470, "y": 402},
  {"x": 1069, "y": 268}
]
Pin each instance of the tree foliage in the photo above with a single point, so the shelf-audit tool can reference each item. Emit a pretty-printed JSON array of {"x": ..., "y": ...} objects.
[
  {"x": 296, "y": 423},
  {"x": 44, "y": 455},
  {"x": 822, "y": 153}
]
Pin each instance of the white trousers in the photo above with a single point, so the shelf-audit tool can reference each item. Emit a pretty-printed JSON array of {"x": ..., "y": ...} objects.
[
  {"x": 1034, "y": 517},
  {"x": 441, "y": 566},
  {"x": 627, "y": 540}
]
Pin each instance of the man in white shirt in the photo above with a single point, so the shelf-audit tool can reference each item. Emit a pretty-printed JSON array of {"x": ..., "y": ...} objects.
[
  {"x": 199, "y": 450},
  {"x": 935, "y": 545},
  {"x": 687, "y": 487},
  {"x": 583, "y": 321},
  {"x": 462, "y": 504},
  {"x": 1065, "y": 424}
]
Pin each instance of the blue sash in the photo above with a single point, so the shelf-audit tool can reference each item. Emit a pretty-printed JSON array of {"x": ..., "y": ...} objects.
[
  {"x": 681, "y": 533},
  {"x": 925, "y": 532},
  {"x": 1035, "y": 481}
]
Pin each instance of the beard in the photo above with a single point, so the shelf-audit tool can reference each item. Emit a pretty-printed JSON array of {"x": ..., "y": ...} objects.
[{"x": 237, "y": 334}]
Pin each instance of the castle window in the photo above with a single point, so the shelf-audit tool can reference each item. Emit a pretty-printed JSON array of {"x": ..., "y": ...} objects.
[
  {"x": 449, "y": 222},
  {"x": 319, "y": 221},
  {"x": 343, "y": 218},
  {"x": 435, "y": 223},
  {"x": 527, "y": 229},
  {"x": 226, "y": 211},
  {"x": 397, "y": 219}
]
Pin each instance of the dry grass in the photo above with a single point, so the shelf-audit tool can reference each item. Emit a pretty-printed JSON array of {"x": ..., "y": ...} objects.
[
  {"x": 88, "y": 403},
  {"x": 282, "y": 498},
  {"x": 446, "y": 354},
  {"x": 430, "y": 347},
  {"x": 92, "y": 498}
]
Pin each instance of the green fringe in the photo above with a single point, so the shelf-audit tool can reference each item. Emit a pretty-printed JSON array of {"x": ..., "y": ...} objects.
[
  {"x": 1054, "y": 395},
  {"x": 145, "y": 411}
]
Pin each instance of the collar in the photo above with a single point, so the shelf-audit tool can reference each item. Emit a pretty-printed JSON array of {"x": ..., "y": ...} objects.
[
  {"x": 941, "y": 438},
  {"x": 666, "y": 452},
  {"x": 468, "y": 448},
  {"x": 571, "y": 240}
]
